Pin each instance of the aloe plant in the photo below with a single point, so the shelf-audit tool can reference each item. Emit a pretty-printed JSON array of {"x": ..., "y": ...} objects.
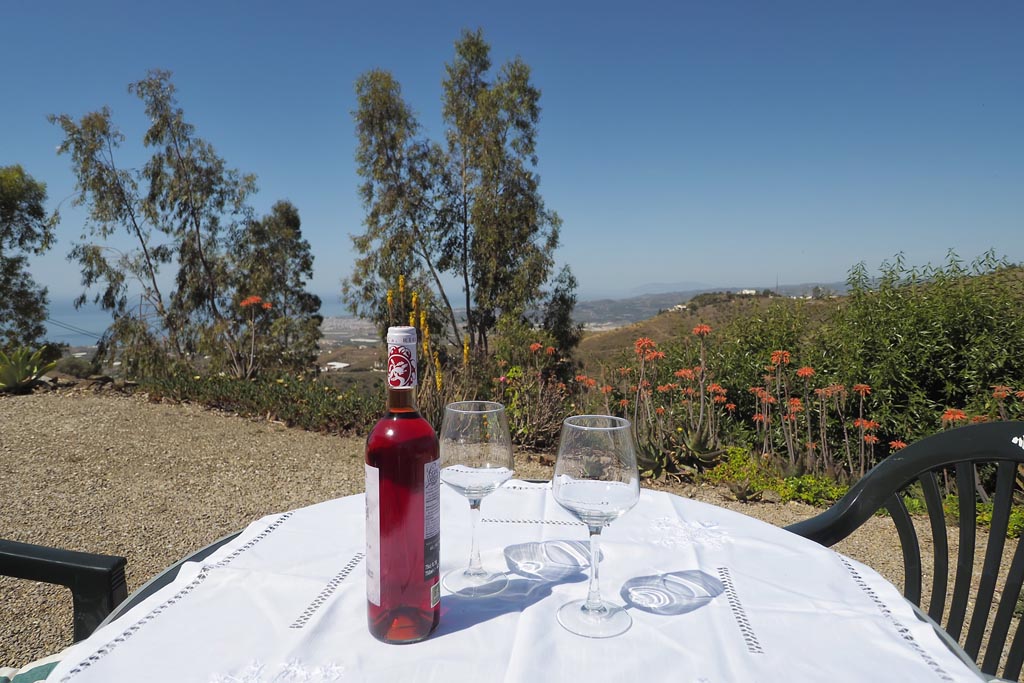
[{"x": 20, "y": 370}]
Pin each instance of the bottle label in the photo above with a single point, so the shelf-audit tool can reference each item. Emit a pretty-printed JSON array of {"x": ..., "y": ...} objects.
[
  {"x": 432, "y": 526},
  {"x": 372, "y": 535},
  {"x": 402, "y": 357}
]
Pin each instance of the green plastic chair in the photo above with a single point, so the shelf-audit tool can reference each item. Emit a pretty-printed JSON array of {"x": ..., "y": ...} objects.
[
  {"x": 97, "y": 582},
  {"x": 996, "y": 450}
]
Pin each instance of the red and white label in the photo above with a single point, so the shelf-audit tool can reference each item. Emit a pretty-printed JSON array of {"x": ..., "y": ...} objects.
[
  {"x": 402, "y": 357},
  {"x": 401, "y": 368}
]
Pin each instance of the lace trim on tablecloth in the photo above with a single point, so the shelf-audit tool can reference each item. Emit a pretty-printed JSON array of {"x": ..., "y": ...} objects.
[
  {"x": 102, "y": 652},
  {"x": 328, "y": 590},
  {"x": 554, "y": 522},
  {"x": 901, "y": 630},
  {"x": 740, "y": 614}
]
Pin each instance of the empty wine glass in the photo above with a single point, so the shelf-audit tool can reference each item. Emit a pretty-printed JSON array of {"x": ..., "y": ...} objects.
[
  {"x": 596, "y": 479},
  {"x": 476, "y": 458}
]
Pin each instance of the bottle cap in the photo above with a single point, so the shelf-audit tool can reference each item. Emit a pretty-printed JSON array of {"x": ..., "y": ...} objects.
[{"x": 402, "y": 357}]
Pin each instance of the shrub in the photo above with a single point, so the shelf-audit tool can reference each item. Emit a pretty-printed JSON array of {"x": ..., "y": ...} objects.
[
  {"x": 812, "y": 490},
  {"x": 298, "y": 402},
  {"x": 76, "y": 367},
  {"x": 739, "y": 465}
]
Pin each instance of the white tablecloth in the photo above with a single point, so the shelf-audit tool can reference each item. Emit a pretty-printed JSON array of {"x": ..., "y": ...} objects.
[{"x": 715, "y": 597}]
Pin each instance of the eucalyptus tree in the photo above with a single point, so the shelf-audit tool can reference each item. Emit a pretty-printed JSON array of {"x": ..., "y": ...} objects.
[
  {"x": 25, "y": 229},
  {"x": 181, "y": 211},
  {"x": 470, "y": 210},
  {"x": 403, "y": 190},
  {"x": 502, "y": 238}
]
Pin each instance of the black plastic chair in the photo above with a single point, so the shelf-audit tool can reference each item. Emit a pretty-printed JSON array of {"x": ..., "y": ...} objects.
[
  {"x": 97, "y": 582},
  {"x": 965, "y": 449}
]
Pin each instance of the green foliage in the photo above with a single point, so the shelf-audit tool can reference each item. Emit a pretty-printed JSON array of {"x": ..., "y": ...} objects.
[
  {"x": 812, "y": 490},
  {"x": 1014, "y": 528},
  {"x": 831, "y": 387},
  {"x": 740, "y": 470},
  {"x": 926, "y": 339},
  {"x": 25, "y": 230},
  {"x": 740, "y": 465},
  {"x": 531, "y": 383},
  {"x": 22, "y": 368},
  {"x": 297, "y": 402}
]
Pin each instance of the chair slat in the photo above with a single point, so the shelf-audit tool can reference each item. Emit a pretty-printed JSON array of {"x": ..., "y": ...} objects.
[
  {"x": 993, "y": 555},
  {"x": 965, "y": 555},
  {"x": 940, "y": 545},
  {"x": 1004, "y": 616},
  {"x": 1016, "y": 657},
  {"x": 911, "y": 548}
]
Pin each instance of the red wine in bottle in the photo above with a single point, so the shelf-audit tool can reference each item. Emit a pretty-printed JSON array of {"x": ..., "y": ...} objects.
[{"x": 403, "y": 508}]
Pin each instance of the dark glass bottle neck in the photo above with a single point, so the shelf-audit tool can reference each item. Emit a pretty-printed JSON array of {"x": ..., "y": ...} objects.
[{"x": 402, "y": 400}]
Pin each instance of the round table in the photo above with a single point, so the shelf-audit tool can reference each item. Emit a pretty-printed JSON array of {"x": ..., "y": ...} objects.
[{"x": 715, "y": 596}]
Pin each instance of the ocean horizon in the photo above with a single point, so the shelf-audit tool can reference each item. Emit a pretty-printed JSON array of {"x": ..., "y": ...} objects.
[{"x": 85, "y": 326}]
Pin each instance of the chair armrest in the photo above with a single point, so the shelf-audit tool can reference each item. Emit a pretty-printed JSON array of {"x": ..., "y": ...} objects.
[{"x": 97, "y": 582}]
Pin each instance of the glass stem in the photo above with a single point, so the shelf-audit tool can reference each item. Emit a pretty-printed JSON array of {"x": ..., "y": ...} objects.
[
  {"x": 594, "y": 603},
  {"x": 476, "y": 567}
]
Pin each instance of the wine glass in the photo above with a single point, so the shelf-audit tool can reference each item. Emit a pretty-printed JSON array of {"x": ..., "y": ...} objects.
[
  {"x": 476, "y": 458},
  {"x": 596, "y": 479}
]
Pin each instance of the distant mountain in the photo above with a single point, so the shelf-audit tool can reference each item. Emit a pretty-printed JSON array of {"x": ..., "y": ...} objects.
[
  {"x": 613, "y": 312},
  {"x": 610, "y": 312},
  {"x": 668, "y": 288}
]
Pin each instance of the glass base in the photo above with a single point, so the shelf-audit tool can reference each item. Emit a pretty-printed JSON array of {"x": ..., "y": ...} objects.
[
  {"x": 472, "y": 585},
  {"x": 610, "y": 620}
]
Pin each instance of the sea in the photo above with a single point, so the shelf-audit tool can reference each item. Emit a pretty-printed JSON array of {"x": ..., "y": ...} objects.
[{"x": 84, "y": 326}]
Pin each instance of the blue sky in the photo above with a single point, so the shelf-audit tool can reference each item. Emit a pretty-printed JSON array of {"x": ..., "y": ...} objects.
[{"x": 727, "y": 143}]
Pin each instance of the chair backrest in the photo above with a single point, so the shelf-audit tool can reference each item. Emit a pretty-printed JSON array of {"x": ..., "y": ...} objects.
[{"x": 994, "y": 449}]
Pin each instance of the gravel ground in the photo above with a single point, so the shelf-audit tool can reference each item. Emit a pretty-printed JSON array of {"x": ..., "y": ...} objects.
[{"x": 113, "y": 473}]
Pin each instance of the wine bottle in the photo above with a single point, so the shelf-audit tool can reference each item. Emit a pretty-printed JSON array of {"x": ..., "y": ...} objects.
[{"x": 403, "y": 508}]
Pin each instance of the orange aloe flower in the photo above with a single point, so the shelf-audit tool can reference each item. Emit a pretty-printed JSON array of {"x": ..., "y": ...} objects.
[
  {"x": 999, "y": 392},
  {"x": 624, "y": 402},
  {"x": 267, "y": 306},
  {"x": 795, "y": 405},
  {"x": 954, "y": 415},
  {"x": 862, "y": 389},
  {"x": 870, "y": 439},
  {"x": 897, "y": 445},
  {"x": 702, "y": 330},
  {"x": 643, "y": 345},
  {"x": 535, "y": 347},
  {"x": 685, "y": 373},
  {"x": 780, "y": 358},
  {"x": 606, "y": 389},
  {"x": 550, "y": 350},
  {"x": 1019, "y": 394},
  {"x": 730, "y": 407},
  {"x": 250, "y": 301},
  {"x": 659, "y": 410},
  {"x": 759, "y": 417},
  {"x": 805, "y": 372},
  {"x": 654, "y": 355},
  {"x": 979, "y": 418}
]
